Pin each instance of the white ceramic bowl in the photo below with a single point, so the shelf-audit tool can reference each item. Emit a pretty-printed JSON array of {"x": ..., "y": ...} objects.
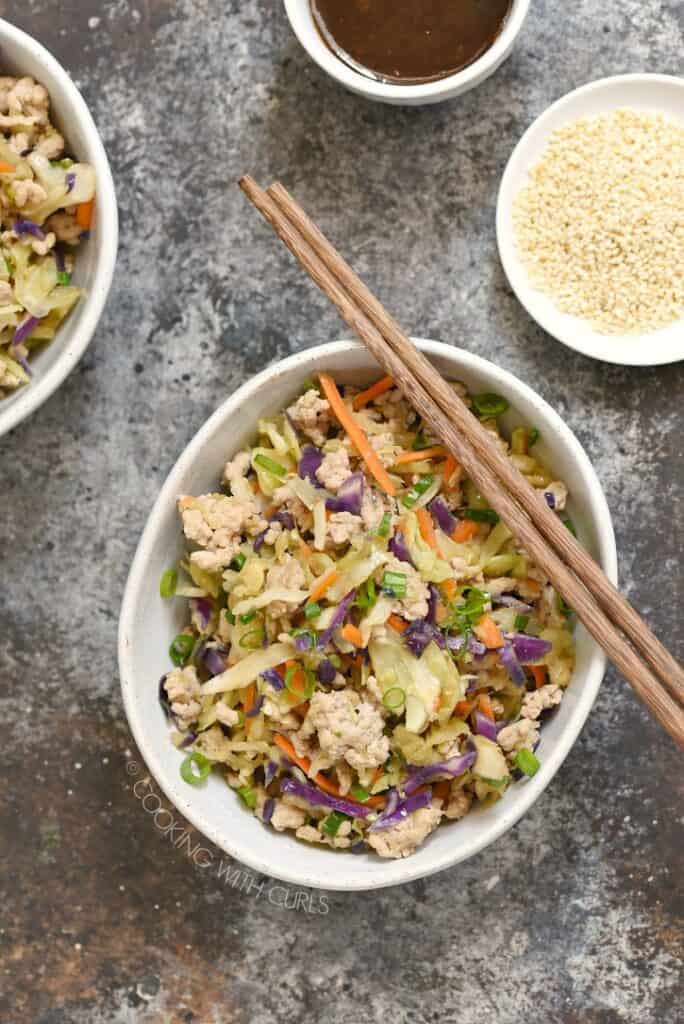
[
  {"x": 148, "y": 624},
  {"x": 301, "y": 19},
  {"x": 656, "y": 94},
  {"x": 95, "y": 258}
]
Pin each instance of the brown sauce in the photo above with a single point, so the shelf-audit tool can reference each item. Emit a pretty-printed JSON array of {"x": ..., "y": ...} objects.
[{"x": 409, "y": 41}]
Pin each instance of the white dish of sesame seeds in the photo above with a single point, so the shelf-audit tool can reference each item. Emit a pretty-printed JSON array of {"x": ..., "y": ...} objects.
[{"x": 590, "y": 215}]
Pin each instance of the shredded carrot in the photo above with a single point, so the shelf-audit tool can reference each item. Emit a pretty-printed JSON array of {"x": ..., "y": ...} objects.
[
  {"x": 377, "y": 774},
  {"x": 427, "y": 530},
  {"x": 533, "y": 586},
  {"x": 539, "y": 673},
  {"x": 440, "y": 790},
  {"x": 6, "y": 168},
  {"x": 450, "y": 467},
  {"x": 356, "y": 434},
  {"x": 352, "y": 634},
  {"x": 418, "y": 456},
  {"x": 321, "y": 781},
  {"x": 489, "y": 633},
  {"x": 373, "y": 392},
  {"x": 323, "y": 584},
  {"x": 486, "y": 707},
  {"x": 84, "y": 214},
  {"x": 398, "y": 624},
  {"x": 465, "y": 531},
  {"x": 306, "y": 551},
  {"x": 297, "y": 685},
  {"x": 441, "y": 613},
  {"x": 250, "y": 697},
  {"x": 463, "y": 708},
  {"x": 449, "y": 587}
]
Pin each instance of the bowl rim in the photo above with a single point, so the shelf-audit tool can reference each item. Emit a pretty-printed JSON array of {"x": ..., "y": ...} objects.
[
  {"x": 92, "y": 304},
  {"x": 401, "y": 871},
  {"x": 298, "y": 12},
  {"x": 571, "y": 331}
]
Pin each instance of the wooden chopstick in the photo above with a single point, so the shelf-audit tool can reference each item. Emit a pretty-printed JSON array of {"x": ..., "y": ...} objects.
[{"x": 453, "y": 423}]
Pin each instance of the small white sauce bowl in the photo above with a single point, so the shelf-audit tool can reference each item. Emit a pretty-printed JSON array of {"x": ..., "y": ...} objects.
[
  {"x": 148, "y": 624},
  {"x": 652, "y": 94},
  {"x": 304, "y": 26},
  {"x": 95, "y": 258}
]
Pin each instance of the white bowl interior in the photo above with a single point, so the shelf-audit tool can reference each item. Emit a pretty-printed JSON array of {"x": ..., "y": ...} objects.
[
  {"x": 656, "y": 94},
  {"x": 95, "y": 258},
  {"x": 304, "y": 26},
  {"x": 148, "y": 624}
]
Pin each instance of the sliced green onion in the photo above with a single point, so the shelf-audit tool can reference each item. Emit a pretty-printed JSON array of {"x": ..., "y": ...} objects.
[
  {"x": 563, "y": 608},
  {"x": 168, "y": 583},
  {"x": 495, "y": 783},
  {"x": 480, "y": 515},
  {"x": 181, "y": 648},
  {"x": 490, "y": 405},
  {"x": 238, "y": 562},
  {"x": 310, "y": 385},
  {"x": 229, "y": 616},
  {"x": 366, "y": 595},
  {"x": 418, "y": 489},
  {"x": 248, "y": 796},
  {"x": 359, "y": 793},
  {"x": 331, "y": 824},
  {"x": 526, "y": 762},
  {"x": 500, "y": 565},
  {"x": 65, "y": 164},
  {"x": 396, "y": 582},
  {"x": 63, "y": 277},
  {"x": 571, "y": 526},
  {"x": 195, "y": 761},
  {"x": 420, "y": 443},
  {"x": 312, "y": 611},
  {"x": 253, "y": 638},
  {"x": 311, "y": 633},
  {"x": 384, "y": 525},
  {"x": 394, "y": 698},
  {"x": 270, "y": 465},
  {"x": 521, "y": 621},
  {"x": 248, "y": 617},
  {"x": 309, "y": 685},
  {"x": 534, "y": 437}
]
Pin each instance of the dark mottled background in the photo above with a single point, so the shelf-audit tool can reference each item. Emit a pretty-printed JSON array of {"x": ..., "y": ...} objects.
[{"x": 574, "y": 917}]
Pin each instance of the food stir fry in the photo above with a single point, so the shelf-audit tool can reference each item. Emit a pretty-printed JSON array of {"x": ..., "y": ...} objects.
[
  {"x": 46, "y": 203},
  {"x": 369, "y": 653}
]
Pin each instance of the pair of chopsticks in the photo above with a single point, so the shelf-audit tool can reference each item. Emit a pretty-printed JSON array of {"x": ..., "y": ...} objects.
[{"x": 646, "y": 664}]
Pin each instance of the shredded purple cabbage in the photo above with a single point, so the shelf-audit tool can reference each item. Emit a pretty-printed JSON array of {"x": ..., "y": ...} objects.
[
  {"x": 349, "y": 496},
  {"x": 273, "y": 678},
  {"x": 24, "y": 330},
  {"x": 314, "y": 795},
  {"x": 509, "y": 660},
  {"x": 303, "y": 642},
  {"x": 269, "y": 808},
  {"x": 215, "y": 660},
  {"x": 402, "y": 811},
  {"x": 24, "y": 363},
  {"x": 550, "y": 499},
  {"x": 203, "y": 609},
  {"x": 529, "y": 648},
  {"x": 419, "y": 634},
  {"x": 70, "y": 179},
  {"x": 259, "y": 540},
  {"x": 455, "y": 643},
  {"x": 28, "y": 227},
  {"x": 326, "y": 672},
  {"x": 484, "y": 726},
  {"x": 308, "y": 464},
  {"x": 270, "y": 772},
  {"x": 256, "y": 708},
  {"x": 397, "y": 546},
  {"x": 442, "y": 515},
  {"x": 338, "y": 618},
  {"x": 432, "y": 603},
  {"x": 284, "y": 518},
  {"x": 188, "y": 740},
  {"x": 453, "y": 766}
]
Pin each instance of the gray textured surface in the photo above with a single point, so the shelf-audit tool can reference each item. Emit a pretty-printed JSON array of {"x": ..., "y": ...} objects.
[{"x": 576, "y": 915}]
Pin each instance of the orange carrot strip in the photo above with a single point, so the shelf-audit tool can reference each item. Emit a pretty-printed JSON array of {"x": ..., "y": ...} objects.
[
  {"x": 486, "y": 707},
  {"x": 397, "y": 623},
  {"x": 489, "y": 633},
  {"x": 373, "y": 392},
  {"x": 465, "y": 531},
  {"x": 441, "y": 613},
  {"x": 356, "y": 434},
  {"x": 321, "y": 781},
  {"x": 6, "y": 168},
  {"x": 323, "y": 584},
  {"x": 449, "y": 587},
  {"x": 539, "y": 673},
  {"x": 250, "y": 697},
  {"x": 84, "y": 214},
  {"x": 427, "y": 530},
  {"x": 426, "y": 453},
  {"x": 306, "y": 551},
  {"x": 534, "y": 586},
  {"x": 352, "y": 634},
  {"x": 450, "y": 467},
  {"x": 463, "y": 708}
]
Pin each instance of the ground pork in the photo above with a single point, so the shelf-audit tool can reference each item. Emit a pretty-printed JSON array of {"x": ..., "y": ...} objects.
[
  {"x": 347, "y": 728},
  {"x": 215, "y": 523},
  {"x": 287, "y": 815},
  {"x": 341, "y": 841},
  {"x": 540, "y": 700},
  {"x": 237, "y": 468},
  {"x": 402, "y": 839},
  {"x": 334, "y": 469},
  {"x": 415, "y": 604},
  {"x": 227, "y": 715},
  {"x": 342, "y": 526},
  {"x": 65, "y": 227},
  {"x": 28, "y": 193},
  {"x": 311, "y": 414},
  {"x": 458, "y": 804},
  {"x": 521, "y": 735},
  {"x": 183, "y": 689},
  {"x": 287, "y": 574}
]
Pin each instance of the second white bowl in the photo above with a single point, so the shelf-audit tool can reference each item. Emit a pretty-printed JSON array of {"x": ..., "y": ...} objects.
[{"x": 148, "y": 624}]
